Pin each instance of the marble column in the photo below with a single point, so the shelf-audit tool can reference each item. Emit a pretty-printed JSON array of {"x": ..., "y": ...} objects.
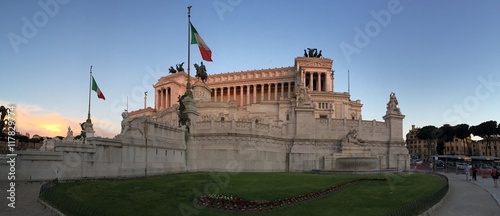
[
  {"x": 311, "y": 81},
  {"x": 262, "y": 92},
  {"x": 319, "y": 82},
  {"x": 289, "y": 89},
  {"x": 282, "y": 90},
  {"x": 215, "y": 94},
  {"x": 276, "y": 92},
  {"x": 157, "y": 106},
  {"x": 269, "y": 91},
  {"x": 234, "y": 92},
  {"x": 248, "y": 94},
  {"x": 241, "y": 95},
  {"x": 254, "y": 96}
]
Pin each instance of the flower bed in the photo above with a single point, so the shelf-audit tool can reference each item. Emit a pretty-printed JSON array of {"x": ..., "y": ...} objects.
[{"x": 228, "y": 202}]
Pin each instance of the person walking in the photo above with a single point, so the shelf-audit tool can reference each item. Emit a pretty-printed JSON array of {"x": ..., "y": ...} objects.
[
  {"x": 495, "y": 174},
  {"x": 474, "y": 172},
  {"x": 467, "y": 171}
]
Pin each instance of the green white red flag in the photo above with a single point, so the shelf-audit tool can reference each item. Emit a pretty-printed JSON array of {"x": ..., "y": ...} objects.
[
  {"x": 206, "y": 53},
  {"x": 96, "y": 88}
]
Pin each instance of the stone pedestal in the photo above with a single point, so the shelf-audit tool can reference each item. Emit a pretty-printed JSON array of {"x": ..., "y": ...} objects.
[
  {"x": 191, "y": 112},
  {"x": 88, "y": 128},
  {"x": 304, "y": 122}
]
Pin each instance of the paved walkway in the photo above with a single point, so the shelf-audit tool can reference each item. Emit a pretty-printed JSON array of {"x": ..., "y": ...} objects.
[
  {"x": 26, "y": 200},
  {"x": 469, "y": 197}
]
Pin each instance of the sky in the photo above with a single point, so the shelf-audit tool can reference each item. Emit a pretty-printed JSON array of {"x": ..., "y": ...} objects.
[{"x": 441, "y": 58}]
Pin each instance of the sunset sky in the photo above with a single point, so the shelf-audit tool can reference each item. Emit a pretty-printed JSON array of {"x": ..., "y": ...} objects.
[{"x": 441, "y": 58}]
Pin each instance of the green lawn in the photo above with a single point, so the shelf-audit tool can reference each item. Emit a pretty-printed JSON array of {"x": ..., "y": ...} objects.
[{"x": 173, "y": 194}]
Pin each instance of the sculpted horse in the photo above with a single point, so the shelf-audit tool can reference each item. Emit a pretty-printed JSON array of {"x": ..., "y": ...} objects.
[{"x": 201, "y": 72}]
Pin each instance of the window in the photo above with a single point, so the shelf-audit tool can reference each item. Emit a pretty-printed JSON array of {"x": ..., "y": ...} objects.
[
  {"x": 156, "y": 151},
  {"x": 166, "y": 152},
  {"x": 323, "y": 116}
]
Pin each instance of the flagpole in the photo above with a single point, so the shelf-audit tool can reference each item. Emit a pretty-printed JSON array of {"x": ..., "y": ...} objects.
[
  {"x": 90, "y": 89},
  {"x": 348, "y": 82},
  {"x": 188, "y": 86}
]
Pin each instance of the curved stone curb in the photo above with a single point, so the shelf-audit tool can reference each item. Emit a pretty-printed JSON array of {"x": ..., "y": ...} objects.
[
  {"x": 54, "y": 210},
  {"x": 431, "y": 209},
  {"x": 488, "y": 190}
]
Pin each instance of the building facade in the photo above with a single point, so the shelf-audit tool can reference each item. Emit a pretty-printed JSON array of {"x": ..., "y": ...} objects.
[
  {"x": 296, "y": 108},
  {"x": 481, "y": 148},
  {"x": 422, "y": 149},
  {"x": 268, "y": 93},
  {"x": 269, "y": 120},
  {"x": 417, "y": 148}
]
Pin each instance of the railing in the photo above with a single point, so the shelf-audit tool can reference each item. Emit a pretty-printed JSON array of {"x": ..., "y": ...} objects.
[
  {"x": 66, "y": 204},
  {"x": 421, "y": 205}
]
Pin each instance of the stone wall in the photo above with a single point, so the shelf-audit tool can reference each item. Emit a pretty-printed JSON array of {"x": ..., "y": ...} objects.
[
  {"x": 149, "y": 147},
  {"x": 162, "y": 151},
  {"x": 236, "y": 152}
]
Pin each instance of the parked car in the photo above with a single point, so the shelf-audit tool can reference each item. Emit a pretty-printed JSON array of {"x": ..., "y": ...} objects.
[
  {"x": 461, "y": 166},
  {"x": 419, "y": 161},
  {"x": 486, "y": 167},
  {"x": 440, "y": 164}
]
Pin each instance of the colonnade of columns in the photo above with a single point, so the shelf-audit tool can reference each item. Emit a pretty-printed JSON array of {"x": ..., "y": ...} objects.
[
  {"x": 164, "y": 98},
  {"x": 246, "y": 94},
  {"x": 316, "y": 81},
  {"x": 253, "y": 93}
]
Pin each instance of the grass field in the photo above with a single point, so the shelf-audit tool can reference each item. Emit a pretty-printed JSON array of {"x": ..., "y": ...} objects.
[{"x": 173, "y": 194}]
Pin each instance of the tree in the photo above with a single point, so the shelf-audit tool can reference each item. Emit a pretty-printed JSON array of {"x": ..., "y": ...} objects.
[
  {"x": 445, "y": 134},
  {"x": 34, "y": 140},
  {"x": 462, "y": 132},
  {"x": 428, "y": 133},
  {"x": 21, "y": 138},
  {"x": 486, "y": 130}
]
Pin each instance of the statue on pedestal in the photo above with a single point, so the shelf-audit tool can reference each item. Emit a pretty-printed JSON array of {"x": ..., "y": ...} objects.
[
  {"x": 179, "y": 67},
  {"x": 125, "y": 122},
  {"x": 392, "y": 105},
  {"x": 312, "y": 53},
  {"x": 183, "y": 116},
  {"x": 69, "y": 134},
  {"x": 201, "y": 72},
  {"x": 351, "y": 138},
  {"x": 303, "y": 96},
  {"x": 172, "y": 70}
]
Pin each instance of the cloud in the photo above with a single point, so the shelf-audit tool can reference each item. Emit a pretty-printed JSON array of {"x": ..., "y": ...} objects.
[{"x": 34, "y": 119}]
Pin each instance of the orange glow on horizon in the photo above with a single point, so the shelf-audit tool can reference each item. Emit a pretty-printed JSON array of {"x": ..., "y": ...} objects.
[{"x": 33, "y": 120}]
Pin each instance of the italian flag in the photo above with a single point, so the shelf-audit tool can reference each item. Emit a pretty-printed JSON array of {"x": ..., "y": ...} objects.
[
  {"x": 206, "y": 53},
  {"x": 97, "y": 89}
]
